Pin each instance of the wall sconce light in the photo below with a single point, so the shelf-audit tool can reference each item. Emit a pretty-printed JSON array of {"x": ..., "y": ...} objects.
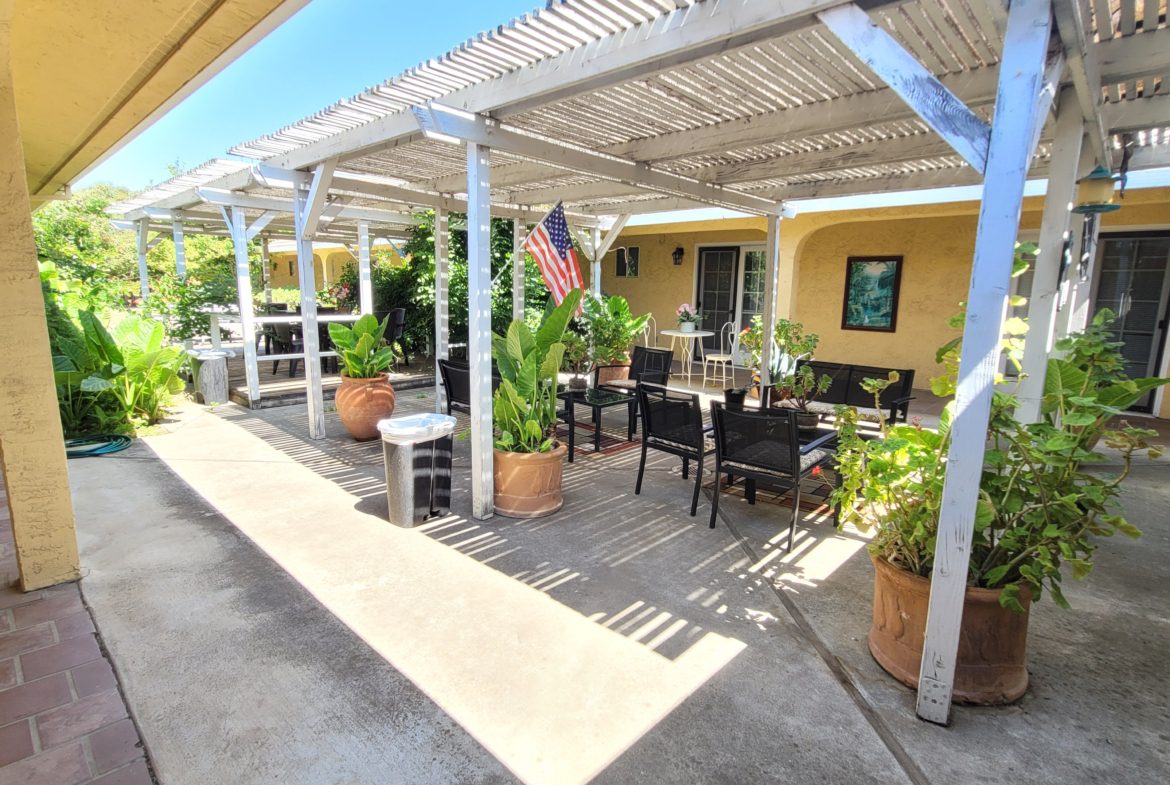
[
  {"x": 677, "y": 256},
  {"x": 1095, "y": 193}
]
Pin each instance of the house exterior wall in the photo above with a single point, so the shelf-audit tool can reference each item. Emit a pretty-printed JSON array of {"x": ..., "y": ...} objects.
[
  {"x": 328, "y": 265},
  {"x": 935, "y": 241}
]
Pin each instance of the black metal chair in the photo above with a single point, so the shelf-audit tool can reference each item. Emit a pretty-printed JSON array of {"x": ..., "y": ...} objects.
[
  {"x": 395, "y": 330},
  {"x": 647, "y": 364},
  {"x": 762, "y": 446},
  {"x": 285, "y": 341},
  {"x": 672, "y": 422}
]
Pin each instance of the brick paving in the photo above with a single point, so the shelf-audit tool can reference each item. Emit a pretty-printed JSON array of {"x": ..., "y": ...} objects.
[{"x": 62, "y": 718}]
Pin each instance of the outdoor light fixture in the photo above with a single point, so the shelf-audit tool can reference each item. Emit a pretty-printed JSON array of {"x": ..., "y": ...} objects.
[
  {"x": 1095, "y": 193},
  {"x": 677, "y": 256}
]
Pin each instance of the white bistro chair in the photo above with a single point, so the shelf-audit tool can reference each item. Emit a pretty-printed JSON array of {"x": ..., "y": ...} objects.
[{"x": 722, "y": 361}]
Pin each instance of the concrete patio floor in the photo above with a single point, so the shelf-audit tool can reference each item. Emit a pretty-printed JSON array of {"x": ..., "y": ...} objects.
[{"x": 268, "y": 625}]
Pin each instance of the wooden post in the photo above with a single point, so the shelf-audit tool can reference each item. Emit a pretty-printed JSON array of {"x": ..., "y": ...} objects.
[
  {"x": 315, "y": 400},
  {"x": 365, "y": 279},
  {"x": 1021, "y": 75},
  {"x": 143, "y": 247},
  {"x": 266, "y": 270},
  {"x": 771, "y": 276},
  {"x": 1062, "y": 185},
  {"x": 239, "y": 229},
  {"x": 180, "y": 248},
  {"x": 595, "y": 267},
  {"x": 479, "y": 327},
  {"x": 442, "y": 324},
  {"x": 517, "y": 269}
]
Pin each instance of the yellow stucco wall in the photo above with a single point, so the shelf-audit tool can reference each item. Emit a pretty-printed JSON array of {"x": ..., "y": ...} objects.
[
  {"x": 328, "y": 264},
  {"x": 936, "y": 242}
]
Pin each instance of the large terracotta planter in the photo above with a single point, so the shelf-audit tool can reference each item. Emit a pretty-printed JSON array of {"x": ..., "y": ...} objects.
[
  {"x": 612, "y": 373},
  {"x": 992, "y": 659},
  {"x": 362, "y": 402},
  {"x": 528, "y": 484}
]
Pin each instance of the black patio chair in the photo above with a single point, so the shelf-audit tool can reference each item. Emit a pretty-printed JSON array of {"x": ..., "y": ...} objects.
[
  {"x": 285, "y": 341},
  {"x": 672, "y": 422},
  {"x": 647, "y": 364},
  {"x": 395, "y": 331},
  {"x": 764, "y": 446}
]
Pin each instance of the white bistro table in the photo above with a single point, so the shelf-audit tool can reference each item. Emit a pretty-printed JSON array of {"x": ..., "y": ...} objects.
[{"x": 687, "y": 340}]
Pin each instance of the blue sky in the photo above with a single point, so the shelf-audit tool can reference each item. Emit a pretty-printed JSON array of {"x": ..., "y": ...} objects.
[{"x": 331, "y": 49}]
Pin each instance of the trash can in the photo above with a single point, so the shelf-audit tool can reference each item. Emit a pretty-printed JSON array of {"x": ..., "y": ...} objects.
[{"x": 417, "y": 453}]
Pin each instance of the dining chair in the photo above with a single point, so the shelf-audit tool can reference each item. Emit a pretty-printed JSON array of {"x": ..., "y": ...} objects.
[
  {"x": 722, "y": 361},
  {"x": 762, "y": 445}
]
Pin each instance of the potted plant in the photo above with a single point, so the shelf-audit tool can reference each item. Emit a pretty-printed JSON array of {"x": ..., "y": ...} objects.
[
  {"x": 793, "y": 385},
  {"x": 365, "y": 395},
  {"x": 688, "y": 317},
  {"x": 577, "y": 359},
  {"x": 1039, "y": 508},
  {"x": 529, "y": 462},
  {"x": 610, "y": 328}
]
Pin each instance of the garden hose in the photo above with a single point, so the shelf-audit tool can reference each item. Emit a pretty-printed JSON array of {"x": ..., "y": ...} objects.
[{"x": 89, "y": 446}]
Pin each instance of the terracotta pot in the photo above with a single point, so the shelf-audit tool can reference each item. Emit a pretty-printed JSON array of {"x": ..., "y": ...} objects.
[
  {"x": 362, "y": 402},
  {"x": 992, "y": 659},
  {"x": 528, "y": 484},
  {"x": 613, "y": 373}
]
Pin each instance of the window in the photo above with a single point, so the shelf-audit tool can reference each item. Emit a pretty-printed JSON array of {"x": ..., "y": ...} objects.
[
  {"x": 627, "y": 262},
  {"x": 290, "y": 268}
]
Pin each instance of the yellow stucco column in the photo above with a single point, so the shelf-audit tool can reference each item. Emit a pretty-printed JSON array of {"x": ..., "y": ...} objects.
[{"x": 32, "y": 450}]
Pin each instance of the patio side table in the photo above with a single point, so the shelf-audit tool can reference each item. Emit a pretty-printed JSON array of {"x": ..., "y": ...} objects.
[
  {"x": 686, "y": 340},
  {"x": 599, "y": 401}
]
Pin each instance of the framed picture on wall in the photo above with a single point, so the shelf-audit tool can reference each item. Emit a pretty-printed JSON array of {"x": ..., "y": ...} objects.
[{"x": 871, "y": 293}]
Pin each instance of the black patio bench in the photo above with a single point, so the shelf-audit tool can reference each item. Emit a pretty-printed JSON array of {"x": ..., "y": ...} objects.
[{"x": 846, "y": 389}]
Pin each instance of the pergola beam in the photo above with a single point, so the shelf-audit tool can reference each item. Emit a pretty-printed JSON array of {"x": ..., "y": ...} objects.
[
  {"x": 1072, "y": 23},
  {"x": 443, "y": 122},
  {"x": 316, "y": 199},
  {"x": 937, "y": 106}
]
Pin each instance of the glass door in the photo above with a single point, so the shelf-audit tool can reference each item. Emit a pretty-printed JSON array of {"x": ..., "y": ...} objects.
[
  {"x": 716, "y": 301},
  {"x": 751, "y": 286},
  {"x": 1133, "y": 284}
]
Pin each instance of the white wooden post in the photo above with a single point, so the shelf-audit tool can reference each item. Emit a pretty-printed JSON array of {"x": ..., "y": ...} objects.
[
  {"x": 365, "y": 281},
  {"x": 595, "y": 267},
  {"x": 1076, "y": 309},
  {"x": 180, "y": 248},
  {"x": 239, "y": 229},
  {"x": 266, "y": 270},
  {"x": 315, "y": 399},
  {"x": 517, "y": 269},
  {"x": 1042, "y": 302},
  {"x": 442, "y": 323},
  {"x": 143, "y": 247},
  {"x": 479, "y": 327},
  {"x": 1021, "y": 75},
  {"x": 771, "y": 277}
]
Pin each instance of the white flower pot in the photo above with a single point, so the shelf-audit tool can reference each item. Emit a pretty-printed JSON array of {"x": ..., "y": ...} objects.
[{"x": 687, "y": 327}]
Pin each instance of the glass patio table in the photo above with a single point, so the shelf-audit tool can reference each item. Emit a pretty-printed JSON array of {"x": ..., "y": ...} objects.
[{"x": 598, "y": 401}]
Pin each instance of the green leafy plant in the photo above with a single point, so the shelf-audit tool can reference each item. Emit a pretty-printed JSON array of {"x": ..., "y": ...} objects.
[
  {"x": 115, "y": 380},
  {"x": 362, "y": 348},
  {"x": 525, "y": 404},
  {"x": 610, "y": 328},
  {"x": 578, "y": 358},
  {"x": 1040, "y": 505},
  {"x": 798, "y": 385}
]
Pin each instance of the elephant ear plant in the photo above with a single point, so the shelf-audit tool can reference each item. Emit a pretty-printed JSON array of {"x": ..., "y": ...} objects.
[
  {"x": 1040, "y": 503},
  {"x": 361, "y": 348},
  {"x": 525, "y": 404}
]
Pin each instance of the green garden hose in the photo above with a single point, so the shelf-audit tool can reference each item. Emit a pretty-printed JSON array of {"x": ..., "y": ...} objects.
[{"x": 89, "y": 446}]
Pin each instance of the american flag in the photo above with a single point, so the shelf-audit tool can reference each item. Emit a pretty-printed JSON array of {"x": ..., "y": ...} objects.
[{"x": 552, "y": 249}]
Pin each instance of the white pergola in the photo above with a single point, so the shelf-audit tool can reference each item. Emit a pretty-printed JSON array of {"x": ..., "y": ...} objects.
[{"x": 620, "y": 107}]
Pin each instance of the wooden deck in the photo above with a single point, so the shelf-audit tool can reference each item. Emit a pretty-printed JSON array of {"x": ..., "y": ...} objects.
[{"x": 279, "y": 389}]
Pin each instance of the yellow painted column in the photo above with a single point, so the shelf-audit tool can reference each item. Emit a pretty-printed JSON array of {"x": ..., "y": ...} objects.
[{"x": 32, "y": 450}]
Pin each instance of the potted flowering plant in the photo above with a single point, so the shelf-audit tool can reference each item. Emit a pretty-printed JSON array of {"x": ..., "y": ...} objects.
[
  {"x": 793, "y": 385},
  {"x": 688, "y": 317}
]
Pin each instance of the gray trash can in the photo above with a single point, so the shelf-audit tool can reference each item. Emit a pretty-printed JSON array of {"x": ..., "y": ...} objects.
[{"x": 417, "y": 452}]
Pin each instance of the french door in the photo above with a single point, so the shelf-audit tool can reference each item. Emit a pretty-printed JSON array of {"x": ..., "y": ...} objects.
[
  {"x": 718, "y": 286},
  {"x": 1133, "y": 282}
]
